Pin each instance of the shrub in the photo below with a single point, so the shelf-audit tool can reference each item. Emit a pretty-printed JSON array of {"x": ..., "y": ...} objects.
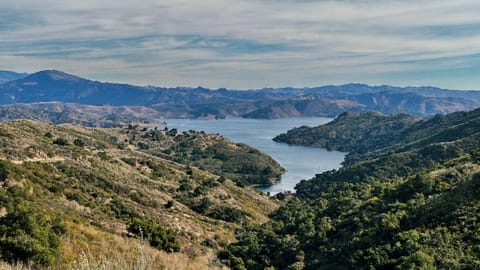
[
  {"x": 60, "y": 141},
  {"x": 79, "y": 142},
  {"x": 3, "y": 172},
  {"x": 155, "y": 234},
  {"x": 143, "y": 146},
  {"x": 29, "y": 235},
  {"x": 169, "y": 204},
  {"x": 185, "y": 186},
  {"x": 103, "y": 155},
  {"x": 200, "y": 190},
  {"x": 226, "y": 213}
]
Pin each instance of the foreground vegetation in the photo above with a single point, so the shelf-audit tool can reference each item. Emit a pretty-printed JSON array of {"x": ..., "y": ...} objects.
[
  {"x": 137, "y": 198},
  {"x": 408, "y": 198},
  {"x": 73, "y": 196}
]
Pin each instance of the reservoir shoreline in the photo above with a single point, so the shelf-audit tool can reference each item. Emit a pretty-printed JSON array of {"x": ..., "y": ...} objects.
[{"x": 300, "y": 162}]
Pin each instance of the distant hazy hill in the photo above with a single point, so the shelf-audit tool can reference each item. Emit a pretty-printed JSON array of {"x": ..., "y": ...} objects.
[
  {"x": 57, "y": 86},
  {"x": 53, "y": 85},
  {"x": 6, "y": 76},
  {"x": 311, "y": 105},
  {"x": 86, "y": 115}
]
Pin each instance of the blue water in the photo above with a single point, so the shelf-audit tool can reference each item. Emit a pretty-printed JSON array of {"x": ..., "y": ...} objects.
[{"x": 300, "y": 162}]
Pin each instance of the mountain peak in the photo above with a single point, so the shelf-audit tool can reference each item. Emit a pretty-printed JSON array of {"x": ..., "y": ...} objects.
[{"x": 53, "y": 74}]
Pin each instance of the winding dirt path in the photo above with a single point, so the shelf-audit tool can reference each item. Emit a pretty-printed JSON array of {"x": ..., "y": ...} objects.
[{"x": 42, "y": 160}]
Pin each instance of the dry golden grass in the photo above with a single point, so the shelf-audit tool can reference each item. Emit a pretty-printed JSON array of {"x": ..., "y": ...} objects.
[
  {"x": 100, "y": 183},
  {"x": 140, "y": 260},
  {"x": 118, "y": 253},
  {"x": 90, "y": 248},
  {"x": 14, "y": 266}
]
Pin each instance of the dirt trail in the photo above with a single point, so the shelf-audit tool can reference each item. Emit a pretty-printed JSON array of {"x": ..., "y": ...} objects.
[{"x": 43, "y": 160}]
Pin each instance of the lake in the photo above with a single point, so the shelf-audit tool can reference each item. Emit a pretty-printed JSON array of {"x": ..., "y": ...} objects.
[{"x": 300, "y": 162}]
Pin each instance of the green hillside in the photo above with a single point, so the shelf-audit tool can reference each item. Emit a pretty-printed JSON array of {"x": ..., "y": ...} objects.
[
  {"x": 72, "y": 195},
  {"x": 409, "y": 201},
  {"x": 349, "y": 132}
]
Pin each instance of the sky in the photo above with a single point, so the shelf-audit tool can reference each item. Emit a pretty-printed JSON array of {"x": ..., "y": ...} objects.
[{"x": 247, "y": 44}]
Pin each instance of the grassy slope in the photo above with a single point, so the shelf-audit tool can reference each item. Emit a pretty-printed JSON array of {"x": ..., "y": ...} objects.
[{"x": 110, "y": 176}]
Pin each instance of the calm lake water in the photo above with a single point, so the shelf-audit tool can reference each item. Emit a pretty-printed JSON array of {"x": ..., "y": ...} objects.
[{"x": 300, "y": 162}]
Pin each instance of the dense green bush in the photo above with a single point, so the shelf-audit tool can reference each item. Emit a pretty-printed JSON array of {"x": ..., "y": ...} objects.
[
  {"x": 228, "y": 214},
  {"x": 3, "y": 171},
  {"x": 79, "y": 142},
  {"x": 155, "y": 234},
  {"x": 27, "y": 234},
  {"x": 60, "y": 141}
]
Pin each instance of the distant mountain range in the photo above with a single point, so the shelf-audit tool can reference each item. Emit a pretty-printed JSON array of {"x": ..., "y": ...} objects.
[
  {"x": 184, "y": 102},
  {"x": 6, "y": 76}
]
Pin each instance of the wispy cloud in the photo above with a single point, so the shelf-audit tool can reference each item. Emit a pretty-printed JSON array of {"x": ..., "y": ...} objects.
[{"x": 247, "y": 43}]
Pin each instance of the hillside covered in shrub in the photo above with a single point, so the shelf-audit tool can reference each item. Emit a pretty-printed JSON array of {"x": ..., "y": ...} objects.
[
  {"x": 71, "y": 194},
  {"x": 409, "y": 201}
]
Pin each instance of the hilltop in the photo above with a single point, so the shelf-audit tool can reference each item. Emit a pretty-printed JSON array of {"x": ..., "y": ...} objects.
[{"x": 71, "y": 191}]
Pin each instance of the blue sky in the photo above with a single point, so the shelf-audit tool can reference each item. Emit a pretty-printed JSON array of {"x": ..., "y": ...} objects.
[{"x": 247, "y": 44}]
